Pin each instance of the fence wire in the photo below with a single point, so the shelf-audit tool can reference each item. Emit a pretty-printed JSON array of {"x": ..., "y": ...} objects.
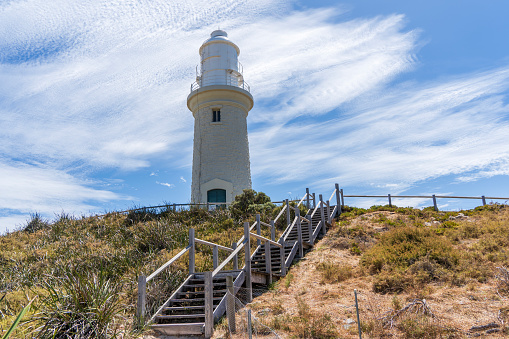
[{"x": 246, "y": 324}]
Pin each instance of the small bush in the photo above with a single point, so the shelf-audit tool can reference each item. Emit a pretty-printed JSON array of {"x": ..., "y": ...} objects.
[
  {"x": 331, "y": 272},
  {"x": 36, "y": 223}
]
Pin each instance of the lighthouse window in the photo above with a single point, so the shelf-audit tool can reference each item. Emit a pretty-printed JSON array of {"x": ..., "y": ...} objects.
[{"x": 216, "y": 116}]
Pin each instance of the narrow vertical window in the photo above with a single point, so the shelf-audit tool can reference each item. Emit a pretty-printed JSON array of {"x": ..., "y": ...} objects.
[{"x": 216, "y": 116}]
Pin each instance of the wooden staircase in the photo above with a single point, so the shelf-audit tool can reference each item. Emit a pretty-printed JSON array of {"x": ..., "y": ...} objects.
[{"x": 185, "y": 312}]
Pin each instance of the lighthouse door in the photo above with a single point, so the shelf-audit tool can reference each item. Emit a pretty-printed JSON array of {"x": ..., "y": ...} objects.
[{"x": 216, "y": 195}]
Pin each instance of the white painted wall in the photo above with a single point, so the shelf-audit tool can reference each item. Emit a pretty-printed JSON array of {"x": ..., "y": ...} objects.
[{"x": 220, "y": 149}]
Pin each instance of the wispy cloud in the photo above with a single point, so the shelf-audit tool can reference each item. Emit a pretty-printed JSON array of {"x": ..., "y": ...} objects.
[
  {"x": 87, "y": 85},
  {"x": 398, "y": 137},
  {"x": 29, "y": 189}
]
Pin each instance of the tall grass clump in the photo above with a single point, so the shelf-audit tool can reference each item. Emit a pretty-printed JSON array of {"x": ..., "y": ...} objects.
[{"x": 79, "y": 305}]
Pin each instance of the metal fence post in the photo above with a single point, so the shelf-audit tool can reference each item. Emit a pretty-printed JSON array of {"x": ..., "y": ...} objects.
[
  {"x": 338, "y": 201},
  {"x": 191, "y": 251},
  {"x": 390, "y": 201},
  {"x": 258, "y": 229},
  {"x": 230, "y": 304},
  {"x": 247, "y": 250},
  {"x": 435, "y": 202},
  {"x": 209, "y": 305},
  {"x": 142, "y": 298},
  {"x": 249, "y": 325}
]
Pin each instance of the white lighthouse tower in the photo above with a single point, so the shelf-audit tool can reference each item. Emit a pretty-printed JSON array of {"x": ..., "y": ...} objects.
[{"x": 220, "y": 102}]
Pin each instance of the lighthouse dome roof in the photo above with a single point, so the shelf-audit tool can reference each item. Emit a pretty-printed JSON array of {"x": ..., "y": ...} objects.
[{"x": 219, "y": 36}]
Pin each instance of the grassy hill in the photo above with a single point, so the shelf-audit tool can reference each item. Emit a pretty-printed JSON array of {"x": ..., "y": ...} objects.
[
  {"x": 84, "y": 270},
  {"x": 418, "y": 273}
]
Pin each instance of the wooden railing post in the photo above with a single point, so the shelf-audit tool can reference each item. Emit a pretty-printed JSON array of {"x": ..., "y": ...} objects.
[
  {"x": 191, "y": 251},
  {"x": 247, "y": 250},
  {"x": 282, "y": 256},
  {"x": 390, "y": 201},
  {"x": 288, "y": 221},
  {"x": 310, "y": 228},
  {"x": 209, "y": 305},
  {"x": 268, "y": 261},
  {"x": 272, "y": 231},
  {"x": 258, "y": 229},
  {"x": 342, "y": 199},
  {"x": 236, "y": 257},
  {"x": 299, "y": 233},
  {"x": 435, "y": 202},
  {"x": 314, "y": 200},
  {"x": 338, "y": 201},
  {"x": 142, "y": 299},
  {"x": 328, "y": 213},
  {"x": 307, "y": 198},
  {"x": 174, "y": 207},
  {"x": 483, "y": 200},
  {"x": 322, "y": 215},
  {"x": 215, "y": 256},
  {"x": 230, "y": 304}
]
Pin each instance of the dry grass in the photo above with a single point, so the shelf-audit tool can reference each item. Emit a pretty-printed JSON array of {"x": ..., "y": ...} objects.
[{"x": 462, "y": 291}]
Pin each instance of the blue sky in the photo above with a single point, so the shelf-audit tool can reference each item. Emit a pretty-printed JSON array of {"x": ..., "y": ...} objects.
[{"x": 400, "y": 97}]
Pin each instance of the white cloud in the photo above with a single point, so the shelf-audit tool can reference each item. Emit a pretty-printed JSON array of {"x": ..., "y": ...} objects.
[
  {"x": 165, "y": 184},
  {"x": 37, "y": 188},
  {"x": 412, "y": 133},
  {"x": 182, "y": 179},
  {"x": 88, "y": 85}
]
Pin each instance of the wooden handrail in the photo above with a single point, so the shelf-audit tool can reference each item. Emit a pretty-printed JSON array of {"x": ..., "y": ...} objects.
[
  {"x": 227, "y": 260},
  {"x": 332, "y": 195},
  {"x": 289, "y": 229},
  {"x": 265, "y": 224},
  {"x": 303, "y": 218},
  {"x": 241, "y": 240},
  {"x": 211, "y": 244},
  {"x": 280, "y": 213},
  {"x": 168, "y": 263},
  {"x": 302, "y": 200},
  {"x": 265, "y": 239}
]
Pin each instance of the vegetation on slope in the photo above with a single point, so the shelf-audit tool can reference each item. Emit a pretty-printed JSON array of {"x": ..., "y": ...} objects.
[
  {"x": 419, "y": 273},
  {"x": 85, "y": 269}
]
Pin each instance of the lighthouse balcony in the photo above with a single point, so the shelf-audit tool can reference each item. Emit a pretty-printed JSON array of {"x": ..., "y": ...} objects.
[{"x": 227, "y": 77}]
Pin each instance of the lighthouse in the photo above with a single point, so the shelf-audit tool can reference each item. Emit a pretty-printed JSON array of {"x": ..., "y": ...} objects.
[{"x": 220, "y": 101}]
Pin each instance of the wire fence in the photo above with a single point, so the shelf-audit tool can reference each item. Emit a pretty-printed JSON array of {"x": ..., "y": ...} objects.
[{"x": 241, "y": 321}]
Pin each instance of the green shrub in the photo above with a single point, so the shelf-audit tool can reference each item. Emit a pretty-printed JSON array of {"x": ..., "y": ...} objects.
[{"x": 401, "y": 247}]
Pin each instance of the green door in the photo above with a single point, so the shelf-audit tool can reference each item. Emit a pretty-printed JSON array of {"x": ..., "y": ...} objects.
[{"x": 216, "y": 195}]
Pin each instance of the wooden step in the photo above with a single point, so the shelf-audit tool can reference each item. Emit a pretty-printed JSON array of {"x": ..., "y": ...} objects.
[
  {"x": 180, "y": 329},
  {"x": 180, "y": 316}
]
